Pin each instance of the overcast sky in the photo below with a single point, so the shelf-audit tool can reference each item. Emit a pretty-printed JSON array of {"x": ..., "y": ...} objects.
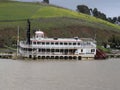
[{"x": 110, "y": 7}]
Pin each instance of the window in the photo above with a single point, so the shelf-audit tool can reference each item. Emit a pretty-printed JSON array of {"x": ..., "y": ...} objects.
[
  {"x": 74, "y": 43},
  {"x": 47, "y": 43},
  {"x": 61, "y": 43},
  {"x": 78, "y": 43},
  {"x": 57, "y": 50},
  {"x": 81, "y": 50},
  {"x": 92, "y": 50},
  {"x": 48, "y": 50},
  {"x": 65, "y": 43},
  {"x": 43, "y": 50},
  {"x": 34, "y": 42},
  {"x": 40, "y": 50},
  {"x": 88, "y": 43},
  {"x": 38, "y": 42},
  {"x": 70, "y": 43},
  {"x": 43, "y": 43},
  {"x": 56, "y": 43},
  {"x": 29, "y": 49},
  {"x": 52, "y": 43},
  {"x": 52, "y": 50}
]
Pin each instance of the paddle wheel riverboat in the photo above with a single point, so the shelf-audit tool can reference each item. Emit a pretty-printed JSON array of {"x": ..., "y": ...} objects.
[{"x": 41, "y": 47}]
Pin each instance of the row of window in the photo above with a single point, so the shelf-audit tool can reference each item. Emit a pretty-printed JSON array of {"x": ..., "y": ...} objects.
[
  {"x": 48, "y": 50},
  {"x": 54, "y": 50},
  {"x": 61, "y": 43}
]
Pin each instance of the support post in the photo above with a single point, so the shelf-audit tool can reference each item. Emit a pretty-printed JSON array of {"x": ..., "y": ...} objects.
[{"x": 18, "y": 41}]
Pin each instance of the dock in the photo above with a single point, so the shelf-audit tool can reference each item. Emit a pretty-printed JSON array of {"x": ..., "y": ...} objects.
[
  {"x": 113, "y": 55},
  {"x": 6, "y": 55}
]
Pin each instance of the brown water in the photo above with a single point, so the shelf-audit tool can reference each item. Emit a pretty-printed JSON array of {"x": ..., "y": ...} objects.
[{"x": 60, "y": 75}]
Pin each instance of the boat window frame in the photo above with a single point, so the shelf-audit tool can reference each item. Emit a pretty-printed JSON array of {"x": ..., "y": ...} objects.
[
  {"x": 56, "y": 43},
  {"x": 52, "y": 43},
  {"x": 47, "y": 43},
  {"x": 38, "y": 43},
  {"x": 65, "y": 43},
  {"x": 43, "y": 43},
  {"x": 61, "y": 43},
  {"x": 74, "y": 43},
  {"x": 34, "y": 43},
  {"x": 92, "y": 50}
]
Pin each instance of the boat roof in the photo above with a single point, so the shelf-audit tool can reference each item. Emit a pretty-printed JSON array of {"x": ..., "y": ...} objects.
[
  {"x": 59, "y": 39},
  {"x": 39, "y": 32}
]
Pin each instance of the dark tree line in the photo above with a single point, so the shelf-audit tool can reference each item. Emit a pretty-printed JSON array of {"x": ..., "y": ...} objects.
[
  {"x": 114, "y": 42},
  {"x": 114, "y": 20},
  {"x": 96, "y": 13},
  {"x": 46, "y": 1},
  {"x": 99, "y": 14}
]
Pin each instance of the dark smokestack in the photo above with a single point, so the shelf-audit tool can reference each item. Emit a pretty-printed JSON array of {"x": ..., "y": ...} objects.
[{"x": 28, "y": 32}]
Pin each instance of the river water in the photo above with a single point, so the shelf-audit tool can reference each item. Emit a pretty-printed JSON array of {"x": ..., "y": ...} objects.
[{"x": 59, "y": 75}]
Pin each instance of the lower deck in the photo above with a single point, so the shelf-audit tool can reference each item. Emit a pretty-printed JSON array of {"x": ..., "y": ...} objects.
[
  {"x": 65, "y": 57},
  {"x": 56, "y": 57}
]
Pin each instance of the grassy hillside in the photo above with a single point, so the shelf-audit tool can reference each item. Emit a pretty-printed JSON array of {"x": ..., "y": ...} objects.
[
  {"x": 20, "y": 10},
  {"x": 53, "y": 20}
]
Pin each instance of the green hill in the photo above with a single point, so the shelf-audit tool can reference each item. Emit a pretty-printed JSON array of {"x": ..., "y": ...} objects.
[{"x": 54, "y": 21}]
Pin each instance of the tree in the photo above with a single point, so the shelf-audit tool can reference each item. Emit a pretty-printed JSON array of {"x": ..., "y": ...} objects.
[
  {"x": 114, "y": 19},
  {"x": 109, "y": 19},
  {"x": 99, "y": 14},
  {"x": 103, "y": 16},
  {"x": 83, "y": 9},
  {"x": 95, "y": 12},
  {"x": 46, "y": 1},
  {"x": 119, "y": 19}
]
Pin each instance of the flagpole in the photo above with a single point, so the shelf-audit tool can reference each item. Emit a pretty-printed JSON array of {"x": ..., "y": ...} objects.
[{"x": 18, "y": 41}]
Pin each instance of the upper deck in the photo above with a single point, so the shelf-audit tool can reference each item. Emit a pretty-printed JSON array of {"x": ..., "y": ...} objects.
[
  {"x": 59, "y": 43},
  {"x": 39, "y": 41}
]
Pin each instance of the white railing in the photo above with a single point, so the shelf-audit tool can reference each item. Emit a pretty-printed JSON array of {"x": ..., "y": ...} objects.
[{"x": 24, "y": 45}]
